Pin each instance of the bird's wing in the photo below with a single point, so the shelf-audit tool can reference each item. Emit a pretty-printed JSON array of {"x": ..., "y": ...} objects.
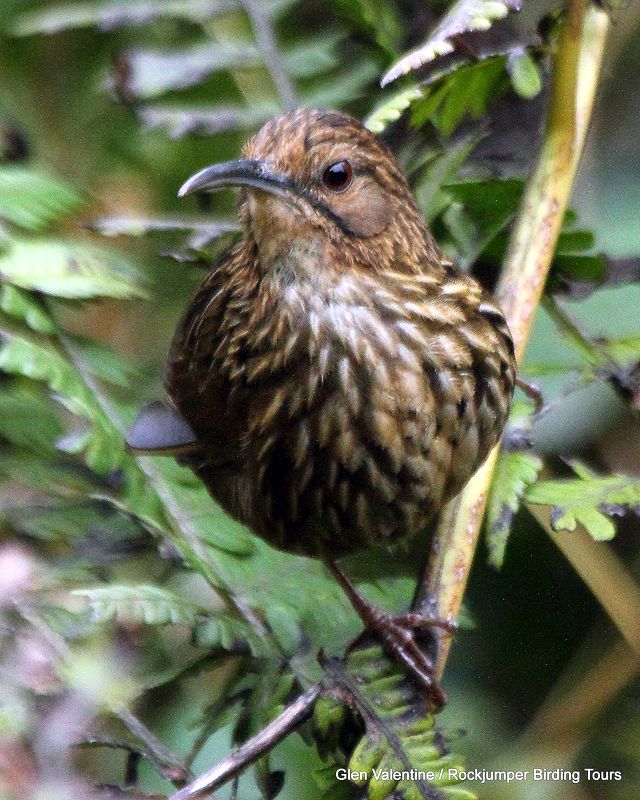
[{"x": 196, "y": 385}]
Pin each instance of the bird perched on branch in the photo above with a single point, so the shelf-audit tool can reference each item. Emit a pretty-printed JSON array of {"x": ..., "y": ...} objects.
[{"x": 335, "y": 379}]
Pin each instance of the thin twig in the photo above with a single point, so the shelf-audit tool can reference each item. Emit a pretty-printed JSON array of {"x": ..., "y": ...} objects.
[
  {"x": 164, "y": 761},
  {"x": 252, "y": 749},
  {"x": 268, "y": 45},
  {"x": 570, "y": 328},
  {"x": 576, "y": 68}
]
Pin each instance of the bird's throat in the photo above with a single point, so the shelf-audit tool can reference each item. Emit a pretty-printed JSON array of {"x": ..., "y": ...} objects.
[{"x": 289, "y": 247}]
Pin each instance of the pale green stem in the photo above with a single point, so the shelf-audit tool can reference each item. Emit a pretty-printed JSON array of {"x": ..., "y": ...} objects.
[{"x": 575, "y": 74}]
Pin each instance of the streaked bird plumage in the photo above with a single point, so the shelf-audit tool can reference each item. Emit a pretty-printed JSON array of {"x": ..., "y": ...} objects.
[{"x": 342, "y": 379}]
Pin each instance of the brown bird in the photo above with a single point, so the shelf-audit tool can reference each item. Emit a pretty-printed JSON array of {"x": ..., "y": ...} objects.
[{"x": 335, "y": 379}]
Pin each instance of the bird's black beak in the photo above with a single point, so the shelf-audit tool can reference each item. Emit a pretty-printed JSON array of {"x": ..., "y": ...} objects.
[{"x": 246, "y": 172}]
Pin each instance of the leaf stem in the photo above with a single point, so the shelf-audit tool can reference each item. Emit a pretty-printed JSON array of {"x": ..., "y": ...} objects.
[
  {"x": 569, "y": 327},
  {"x": 252, "y": 749},
  {"x": 575, "y": 73}
]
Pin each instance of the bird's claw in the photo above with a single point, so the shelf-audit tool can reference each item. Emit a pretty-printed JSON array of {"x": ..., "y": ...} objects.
[
  {"x": 420, "y": 624},
  {"x": 399, "y": 636}
]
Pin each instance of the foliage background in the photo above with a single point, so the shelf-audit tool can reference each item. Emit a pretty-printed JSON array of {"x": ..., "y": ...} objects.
[{"x": 86, "y": 108}]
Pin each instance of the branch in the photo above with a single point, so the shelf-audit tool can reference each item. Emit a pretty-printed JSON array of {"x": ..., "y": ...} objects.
[
  {"x": 163, "y": 760},
  {"x": 575, "y": 73},
  {"x": 266, "y": 40},
  {"x": 252, "y": 749}
]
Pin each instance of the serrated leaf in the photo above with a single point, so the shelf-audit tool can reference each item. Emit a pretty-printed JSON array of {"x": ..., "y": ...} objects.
[
  {"x": 514, "y": 472},
  {"x": 463, "y": 17},
  {"x": 69, "y": 270},
  {"x": 375, "y": 18},
  {"x": 401, "y": 737},
  {"x": 58, "y": 478},
  {"x": 230, "y": 557},
  {"x": 110, "y": 15},
  {"x": 392, "y": 109},
  {"x": 144, "y": 604},
  {"x": 223, "y": 630},
  {"x": 77, "y": 521},
  {"x": 589, "y": 500},
  {"x": 33, "y": 200}
]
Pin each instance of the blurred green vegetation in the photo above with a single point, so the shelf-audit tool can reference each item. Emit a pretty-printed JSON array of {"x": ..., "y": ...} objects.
[{"x": 124, "y": 589}]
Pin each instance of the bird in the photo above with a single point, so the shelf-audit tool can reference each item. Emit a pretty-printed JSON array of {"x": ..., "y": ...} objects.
[{"x": 335, "y": 379}]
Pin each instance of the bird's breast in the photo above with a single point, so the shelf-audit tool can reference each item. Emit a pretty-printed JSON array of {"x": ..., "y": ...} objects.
[{"x": 353, "y": 436}]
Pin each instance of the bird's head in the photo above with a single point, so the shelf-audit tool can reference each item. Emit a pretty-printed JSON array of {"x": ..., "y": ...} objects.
[{"x": 322, "y": 181}]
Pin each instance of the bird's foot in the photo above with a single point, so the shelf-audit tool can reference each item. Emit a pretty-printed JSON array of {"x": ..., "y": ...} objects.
[{"x": 400, "y": 636}]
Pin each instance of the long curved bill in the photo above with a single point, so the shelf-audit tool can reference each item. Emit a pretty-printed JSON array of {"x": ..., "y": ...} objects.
[{"x": 246, "y": 172}]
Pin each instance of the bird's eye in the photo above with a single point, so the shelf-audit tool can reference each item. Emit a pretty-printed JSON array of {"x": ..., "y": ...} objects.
[{"x": 338, "y": 176}]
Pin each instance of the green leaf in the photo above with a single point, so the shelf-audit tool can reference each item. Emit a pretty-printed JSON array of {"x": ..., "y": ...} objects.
[
  {"x": 144, "y": 604},
  {"x": 580, "y": 268},
  {"x": 74, "y": 521},
  {"x": 202, "y": 120},
  {"x": 21, "y": 305},
  {"x": 438, "y": 170},
  {"x": 466, "y": 92},
  {"x": 70, "y": 270},
  {"x": 392, "y": 109},
  {"x": 24, "y": 353},
  {"x": 400, "y": 733},
  {"x": 588, "y": 500},
  {"x": 223, "y": 630},
  {"x": 571, "y": 242},
  {"x": 515, "y": 471},
  {"x": 109, "y": 15},
  {"x": 524, "y": 74},
  {"x": 32, "y": 199},
  {"x": 232, "y": 559},
  {"x": 313, "y": 57},
  {"x": 377, "y": 19},
  {"x": 462, "y": 17},
  {"x": 59, "y": 477},
  {"x": 485, "y": 208},
  {"x": 27, "y": 417},
  {"x": 623, "y": 352},
  {"x": 151, "y": 72}
]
